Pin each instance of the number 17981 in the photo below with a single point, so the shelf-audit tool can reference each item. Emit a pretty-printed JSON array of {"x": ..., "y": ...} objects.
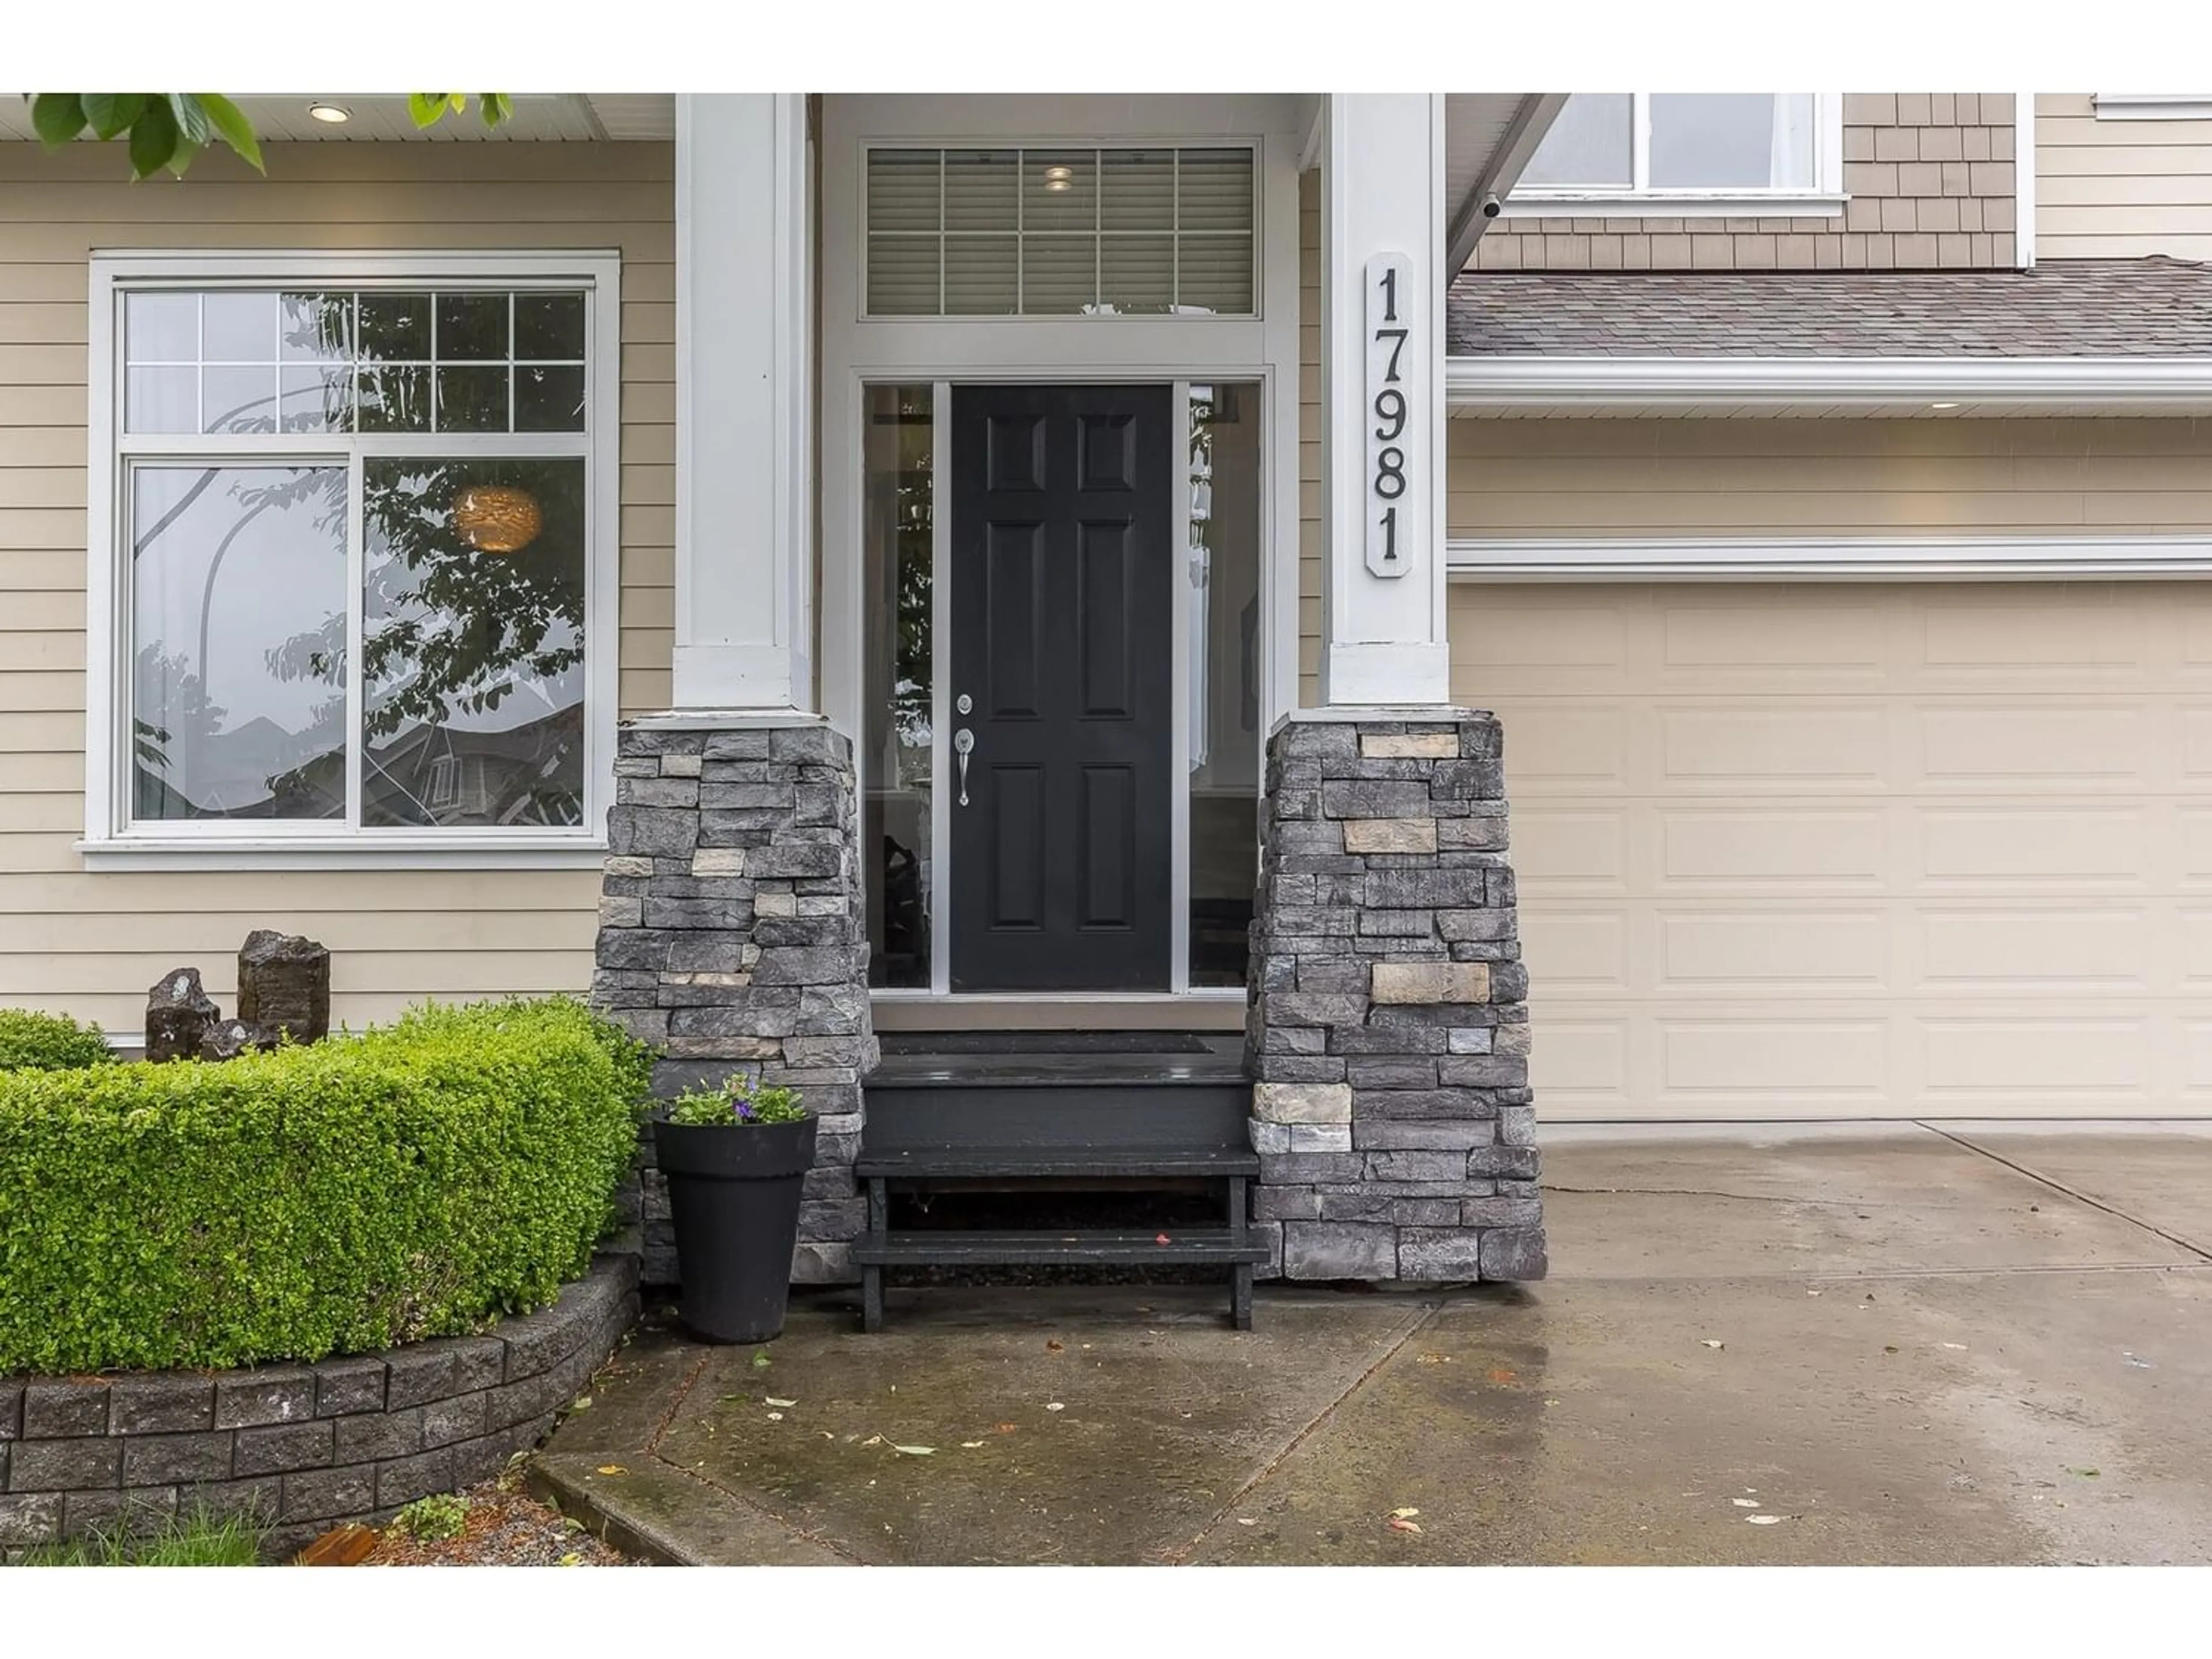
[{"x": 1388, "y": 281}]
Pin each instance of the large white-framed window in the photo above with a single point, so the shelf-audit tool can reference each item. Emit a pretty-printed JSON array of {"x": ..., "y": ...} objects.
[
  {"x": 354, "y": 565},
  {"x": 1687, "y": 154}
]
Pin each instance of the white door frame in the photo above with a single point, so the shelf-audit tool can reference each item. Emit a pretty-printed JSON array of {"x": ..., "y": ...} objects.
[{"x": 857, "y": 352}]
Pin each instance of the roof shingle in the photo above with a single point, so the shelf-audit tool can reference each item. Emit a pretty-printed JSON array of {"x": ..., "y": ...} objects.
[{"x": 2149, "y": 307}]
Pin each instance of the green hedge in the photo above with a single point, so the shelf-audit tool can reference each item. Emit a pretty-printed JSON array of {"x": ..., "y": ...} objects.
[
  {"x": 332, "y": 1198},
  {"x": 49, "y": 1042}
]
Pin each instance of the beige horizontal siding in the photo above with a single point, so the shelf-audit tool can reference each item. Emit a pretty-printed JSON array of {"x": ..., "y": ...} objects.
[
  {"x": 1747, "y": 478},
  {"x": 88, "y": 944},
  {"x": 2119, "y": 188}
]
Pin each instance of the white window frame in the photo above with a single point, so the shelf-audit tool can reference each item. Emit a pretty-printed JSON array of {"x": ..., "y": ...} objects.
[
  {"x": 111, "y": 841},
  {"x": 1642, "y": 200}
]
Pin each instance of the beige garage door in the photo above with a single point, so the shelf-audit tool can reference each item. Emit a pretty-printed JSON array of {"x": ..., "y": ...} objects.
[{"x": 1813, "y": 851}]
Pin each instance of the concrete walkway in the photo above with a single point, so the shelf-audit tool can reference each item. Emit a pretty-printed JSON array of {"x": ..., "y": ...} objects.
[{"x": 1936, "y": 1343}]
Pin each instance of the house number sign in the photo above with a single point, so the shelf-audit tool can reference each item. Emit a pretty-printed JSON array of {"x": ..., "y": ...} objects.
[{"x": 1393, "y": 521}]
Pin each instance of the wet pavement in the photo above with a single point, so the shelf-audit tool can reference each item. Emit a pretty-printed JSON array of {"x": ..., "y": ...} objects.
[{"x": 1939, "y": 1344}]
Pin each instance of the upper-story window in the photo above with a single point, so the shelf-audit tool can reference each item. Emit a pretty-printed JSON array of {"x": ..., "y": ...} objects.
[
  {"x": 362, "y": 561},
  {"x": 1060, "y": 231},
  {"x": 1676, "y": 153}
]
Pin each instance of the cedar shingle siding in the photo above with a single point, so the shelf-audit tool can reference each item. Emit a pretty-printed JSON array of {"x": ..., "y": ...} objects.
[{"x": 1930, "y": 176}]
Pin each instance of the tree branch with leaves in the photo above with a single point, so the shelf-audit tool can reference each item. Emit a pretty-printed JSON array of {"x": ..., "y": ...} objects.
[{"x": 166, "y": 130}]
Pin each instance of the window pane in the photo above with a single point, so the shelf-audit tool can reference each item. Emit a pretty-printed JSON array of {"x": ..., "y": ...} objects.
[
  {"x": 1214, "y": 273},
  {"x": 549, "y": 398},
  {"x": 472, "y": 327},
  {"x": 161, "y": 328},
  {"x": 239, "y": 328},
  {"x": 315, "y": 400},
  {"x": 316, "y": 328},
  {"x": 1059, "y": 273},
  {"x": 238, "y": 399},
  {"x": 1731, "y": 140},
  {"x": 395, "y": 327},
  {"x": 1137, "y": 273},
  {"x": 898, "y": 502},
  {"x": 549, "y": 326},
  {"x": 1591, "y": 142},
  {"x": 473, "y": 400},
  {"x": 980, "y": 276},
  {"x": 1060, "y": 189},
  {"x": 979, "y": 189},
  {"x": 238, "y": 597},
  {"x": 1215, "y": 190},
  {"x": 161, "y": 400},
  {"x": 904, "y": 275},
  {"x": 902, "y": 189},
  {"x": 395, "y": 400},
  {"x": 1223, "y": 572},
  {"x": 1137, "y": 190},
  {"x": 472, "y": 643}
]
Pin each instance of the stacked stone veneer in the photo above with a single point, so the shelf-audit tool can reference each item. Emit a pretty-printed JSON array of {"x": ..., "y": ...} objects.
[
  {"x": 733, "y": 936},
  {"x": 300, "y": 1446},
  {"x": 1387, "y": 1034}
]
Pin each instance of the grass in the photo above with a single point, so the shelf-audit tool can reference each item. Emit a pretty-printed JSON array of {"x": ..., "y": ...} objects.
[{"x": 199, "y": 1539}]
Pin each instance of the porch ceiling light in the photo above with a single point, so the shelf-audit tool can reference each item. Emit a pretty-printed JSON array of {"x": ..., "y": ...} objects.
[
  {"x": 497, "y": 518},
  {"x": 335, "y": 114},
  {"x": 1060, "y": 178}
]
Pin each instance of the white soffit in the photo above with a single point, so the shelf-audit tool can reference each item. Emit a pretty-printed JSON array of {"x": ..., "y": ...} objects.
[
  {"x": 1513, "y": 386},
  {"x": 382, "y": 118}
]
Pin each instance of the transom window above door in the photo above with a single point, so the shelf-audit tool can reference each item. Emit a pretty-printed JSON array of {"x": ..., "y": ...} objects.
[
  {"x": 1669, "y": 151},
  {"x": 1060, "y": 231}
]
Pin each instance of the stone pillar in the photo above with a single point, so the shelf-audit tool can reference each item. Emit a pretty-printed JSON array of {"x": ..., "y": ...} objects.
[
  {"x": 1388, "y": 1034},
  {"x": 733, "y": 935}
]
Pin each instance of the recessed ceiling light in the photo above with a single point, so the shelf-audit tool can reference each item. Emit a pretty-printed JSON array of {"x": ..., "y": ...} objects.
[
  {"x": 1060, "y": 178},
  {"x": 1942, "y": 405},
  {"x": 336, "y": 114}
]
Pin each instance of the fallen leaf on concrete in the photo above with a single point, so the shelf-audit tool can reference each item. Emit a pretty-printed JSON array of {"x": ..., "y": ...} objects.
[
  {"x": 1246, "y": 1520},
  {"x": 1889, "y": 1347},
  {"x": 2138, "y": 1362},
  {"x": 1403, "y": 1515},
  {"x": 1745, "y": 1502},
  {"x": 761, "y": 1361},
  {"x": 773, "y": 1401},
  {"x": 1399, "y": 1523},
  {"x": 1502, "y": 1374},
  {"x": 916, "y": 1451},
  {"x": 873, "y": 1440},
  {"x": 2087, "y": 1474},
  {"x": 582, "y": 1403},
  {"x": 572, "y": 1560},
  {"x": 775, "y": 1416},
  {"x": 612, "y": 1469},
  {"x": 1956, "y": 1347},
  {"x": 1004, "y": 1428},
  {"x": 1812, "y": 1292},
  {"x": 827, "y": 1434},
  {"x": 1708, "y": 1342},
  {"x": 1054, "y": 1405},
  {"x": 1550, "y": 1402},
  {"x": 1762, "y": 1520},
  {"x": 1053, "y": 1345},
  {"x": 969, "y": 1445}
]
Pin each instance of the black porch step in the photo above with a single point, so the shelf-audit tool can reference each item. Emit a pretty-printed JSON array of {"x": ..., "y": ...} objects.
[
  {"x": 1074, "y": 1164},
  {"x": 1217, "y": 1245}
]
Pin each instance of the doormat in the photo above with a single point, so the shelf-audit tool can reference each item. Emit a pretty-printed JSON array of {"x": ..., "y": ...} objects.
[{"x": 1044, "y": 1042}]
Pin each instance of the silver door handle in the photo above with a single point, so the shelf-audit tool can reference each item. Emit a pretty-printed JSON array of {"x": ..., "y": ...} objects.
[{"x": 963, "y": 745}]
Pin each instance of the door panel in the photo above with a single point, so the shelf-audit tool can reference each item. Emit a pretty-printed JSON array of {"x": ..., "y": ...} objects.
[{"x": 1062, "y": 610}]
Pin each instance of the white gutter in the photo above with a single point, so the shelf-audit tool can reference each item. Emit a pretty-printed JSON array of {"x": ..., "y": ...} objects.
[{"x": 1522, "y": 382}]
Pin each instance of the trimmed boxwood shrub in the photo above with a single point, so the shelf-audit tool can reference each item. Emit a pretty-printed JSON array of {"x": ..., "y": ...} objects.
[
  {"x": 49, "y": 1042},
  {"x": 337, "y": 1198}
]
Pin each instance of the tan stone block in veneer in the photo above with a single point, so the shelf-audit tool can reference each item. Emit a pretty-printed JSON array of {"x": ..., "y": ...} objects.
[
  {"x": 1409, "y": 746},
  {"x": 1432, "y": 982},
  {"x": 1390, "y": 836},
  {"x": 719, "y": 861},
  {"x": 1301, "y": 1102}
]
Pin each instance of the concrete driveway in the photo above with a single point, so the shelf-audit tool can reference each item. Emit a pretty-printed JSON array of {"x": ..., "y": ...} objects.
[{"x": 1932, "y": 1343}]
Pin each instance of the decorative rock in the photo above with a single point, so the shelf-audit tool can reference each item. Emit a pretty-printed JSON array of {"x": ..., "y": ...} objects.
[
  {"x": 284, "y": 983},
  {"x": 179, "y": 1014},
  {"x": 1388, "y": 1031},
  {"x": 230, "y": 1038}
]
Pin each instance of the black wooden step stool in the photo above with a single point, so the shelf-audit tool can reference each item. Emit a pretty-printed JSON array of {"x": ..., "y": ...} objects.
[{"x": 1231, "y": 1245}]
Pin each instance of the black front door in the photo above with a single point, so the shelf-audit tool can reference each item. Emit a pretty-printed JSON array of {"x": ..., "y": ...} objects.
[{"x": 1061, "y": 650}]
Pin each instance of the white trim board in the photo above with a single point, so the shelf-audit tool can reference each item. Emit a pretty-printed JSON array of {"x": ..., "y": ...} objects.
[
  {"x": 1997, "y": 384},
  {"x": 1827, "y": 558},
  {"x": 2152, "y": 105}
]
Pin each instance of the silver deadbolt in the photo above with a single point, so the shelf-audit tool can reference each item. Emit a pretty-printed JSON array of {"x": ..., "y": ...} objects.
[
  {"x": 964, "y": 703},
  {"x": 963, "y": 745}
]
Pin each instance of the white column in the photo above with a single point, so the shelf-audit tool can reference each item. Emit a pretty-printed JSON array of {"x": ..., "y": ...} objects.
[
  {"x": 1382, "y": 254},
  {"x": 744, "y": 411}
]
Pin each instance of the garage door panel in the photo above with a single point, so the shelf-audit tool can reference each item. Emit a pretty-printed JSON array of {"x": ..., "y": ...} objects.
[
  {"x": 2011, "y": 745},
  {"x": 1775, "y": 948},
  {"x": 1885, "y": 849},
  {"x": 1750, "y": 847},
  {"x": 2105, "y": 847}
]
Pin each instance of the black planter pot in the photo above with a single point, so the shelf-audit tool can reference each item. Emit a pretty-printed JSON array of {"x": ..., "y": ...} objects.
[{"x": 734, "y": 1194}]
